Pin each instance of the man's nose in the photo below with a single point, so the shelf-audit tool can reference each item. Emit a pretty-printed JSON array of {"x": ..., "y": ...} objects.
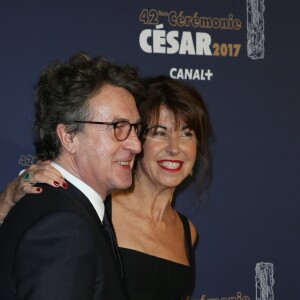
[{"x": 133, "y": 143}]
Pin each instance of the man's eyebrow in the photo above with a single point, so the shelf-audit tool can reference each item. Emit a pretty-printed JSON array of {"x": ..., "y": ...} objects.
[{"x": 126, "y": 120}]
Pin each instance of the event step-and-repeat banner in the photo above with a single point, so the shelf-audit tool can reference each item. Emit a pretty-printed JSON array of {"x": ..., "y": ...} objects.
[{"x": 243, "y": 57}]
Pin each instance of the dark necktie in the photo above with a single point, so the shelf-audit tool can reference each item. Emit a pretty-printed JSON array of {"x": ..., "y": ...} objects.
[{"x": 112, "y": 240}]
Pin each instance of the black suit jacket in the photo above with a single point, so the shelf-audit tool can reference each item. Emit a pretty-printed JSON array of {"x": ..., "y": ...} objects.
[{"x": 53, "y": 246}]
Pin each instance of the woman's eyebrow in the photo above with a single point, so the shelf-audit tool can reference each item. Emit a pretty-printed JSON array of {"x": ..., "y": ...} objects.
[{"x": 158, "y": 126}]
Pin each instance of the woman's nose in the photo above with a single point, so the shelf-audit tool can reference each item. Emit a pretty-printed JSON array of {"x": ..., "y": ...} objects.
[{"x": 173, "y": 145}]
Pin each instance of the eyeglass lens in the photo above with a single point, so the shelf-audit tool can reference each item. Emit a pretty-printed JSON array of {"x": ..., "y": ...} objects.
[{"x": 122, "y": 130}]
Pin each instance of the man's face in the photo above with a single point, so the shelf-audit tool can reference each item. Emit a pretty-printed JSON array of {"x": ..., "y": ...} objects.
[{"x": 103, "y": 162}]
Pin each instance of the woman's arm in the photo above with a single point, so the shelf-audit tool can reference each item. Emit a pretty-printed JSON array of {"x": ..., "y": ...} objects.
[
  {"x": 42, "y": 172},
  {"x": 5, "y": 196}
]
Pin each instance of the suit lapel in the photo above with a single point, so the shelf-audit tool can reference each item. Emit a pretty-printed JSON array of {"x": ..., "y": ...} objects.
[
  {"x": 107, "y": 229},
  {"x": 84, "y": 201}
]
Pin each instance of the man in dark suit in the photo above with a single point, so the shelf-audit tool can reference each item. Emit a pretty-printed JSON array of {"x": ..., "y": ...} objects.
[{"x": 53, "y": 245}]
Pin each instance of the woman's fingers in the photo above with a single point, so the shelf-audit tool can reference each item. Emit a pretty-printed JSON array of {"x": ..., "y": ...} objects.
[
  {"x": 28, "y": 189},
  {"x": 37, "y": 173},
  {"x": 44, "y": 173}
]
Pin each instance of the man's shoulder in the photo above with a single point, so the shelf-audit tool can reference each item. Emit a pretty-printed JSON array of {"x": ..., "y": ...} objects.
[
  {"x": 46, "y": 208},
  {"x": 50, "y": 199},
  {"x": 35, "y": 206}
]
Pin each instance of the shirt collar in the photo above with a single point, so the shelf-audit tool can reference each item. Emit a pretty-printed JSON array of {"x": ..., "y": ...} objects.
[{"x": 91, "y": 194}]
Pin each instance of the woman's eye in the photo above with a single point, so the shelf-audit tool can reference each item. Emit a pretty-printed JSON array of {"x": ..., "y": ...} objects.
[
  {"x": 159, "y": 133},
  {"x": 155, "y": 132},
  {"x": 187, "y": 133}
]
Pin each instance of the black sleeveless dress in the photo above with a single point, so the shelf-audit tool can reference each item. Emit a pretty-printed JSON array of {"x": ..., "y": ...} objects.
[{"x": 149, "y": 277}]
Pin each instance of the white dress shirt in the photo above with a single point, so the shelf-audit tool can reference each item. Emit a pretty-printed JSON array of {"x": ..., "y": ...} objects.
[{"x": 91, "y": 194}]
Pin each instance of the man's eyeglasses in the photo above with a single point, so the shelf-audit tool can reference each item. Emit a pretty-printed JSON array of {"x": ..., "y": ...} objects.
[{"x": 122, "y": 129}]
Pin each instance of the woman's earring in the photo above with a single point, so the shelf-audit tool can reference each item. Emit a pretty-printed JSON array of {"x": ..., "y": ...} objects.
[{"x": 191, "y": 173}]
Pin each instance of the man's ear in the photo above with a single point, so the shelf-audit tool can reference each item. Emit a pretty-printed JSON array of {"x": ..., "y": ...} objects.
[{"x": 66, "y": 139}]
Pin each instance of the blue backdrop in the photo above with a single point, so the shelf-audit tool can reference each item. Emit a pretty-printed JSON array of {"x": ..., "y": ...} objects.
[{"x": 243, "y": 56}]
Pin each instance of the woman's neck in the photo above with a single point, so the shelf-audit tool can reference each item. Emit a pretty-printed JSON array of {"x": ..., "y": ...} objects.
[{"x": 146, "y": 199}]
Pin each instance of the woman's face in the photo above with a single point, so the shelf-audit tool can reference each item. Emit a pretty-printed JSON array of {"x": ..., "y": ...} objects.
[{"x": 169, "y": 152}]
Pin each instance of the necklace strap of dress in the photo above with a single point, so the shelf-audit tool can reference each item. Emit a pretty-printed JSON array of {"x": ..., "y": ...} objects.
[{"x": 187, "y": 236}]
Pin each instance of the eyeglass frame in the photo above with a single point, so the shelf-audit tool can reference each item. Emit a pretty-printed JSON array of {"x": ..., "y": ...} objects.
[{"x": 115, "y": 124}]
